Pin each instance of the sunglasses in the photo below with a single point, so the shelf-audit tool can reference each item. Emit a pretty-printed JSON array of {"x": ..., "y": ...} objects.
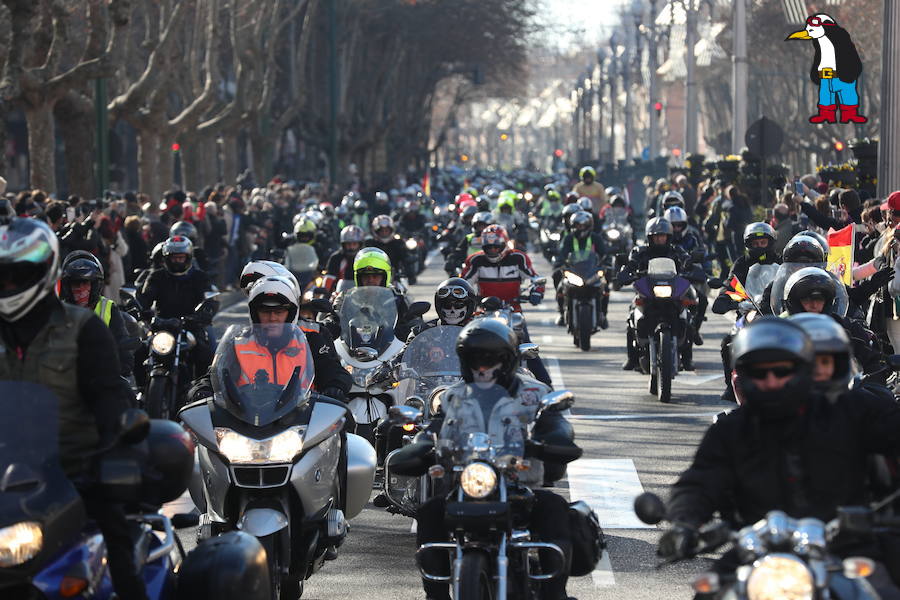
[
  {"x": 817, "y": 22},
  {"x": 895, "y": 213},
  {"x": 452, "y": 290},
  {"x": 763, "y": 372}
]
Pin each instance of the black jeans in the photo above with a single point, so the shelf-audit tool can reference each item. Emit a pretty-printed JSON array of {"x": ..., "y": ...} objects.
[
  {"x": 110, "y": 518},
  {"x": 549, "y": 523}
]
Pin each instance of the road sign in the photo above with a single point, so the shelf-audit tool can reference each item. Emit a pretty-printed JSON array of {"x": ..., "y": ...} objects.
[
  {"x": 764, "y": 137},
  {"x": 645, "y": 153}
]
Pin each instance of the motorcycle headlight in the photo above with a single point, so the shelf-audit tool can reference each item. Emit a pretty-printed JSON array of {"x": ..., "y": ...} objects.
[
  {"x": 613, "y": 234},
  {"x": 478, "y": 480},
  {"x": 662, "y": 291},
  {"x": 411, "y": 244},
  {"x": 554, "y": 237},
  {"x": 780, "y": 576},
  {"x": 242, "y": 450},
  {"x": 574, "y": 279},
  {"x": 163, "y": 342},
  {"x": 20, "y": 543}
]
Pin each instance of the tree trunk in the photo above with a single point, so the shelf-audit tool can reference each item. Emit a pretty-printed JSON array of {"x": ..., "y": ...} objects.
[
  {"x": 76, "y": 127},
  {"x": 41, "y": 146},
  {"x": 165, "y": 170},
  {"x": 229, "y": 158},
  {"x": 148, "y": 164}
]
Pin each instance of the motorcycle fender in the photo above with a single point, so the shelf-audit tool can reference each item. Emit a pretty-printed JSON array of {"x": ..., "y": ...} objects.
[
  {"x": 662, "y": 327},
  {"x": 361, "y": 463},
  {"x": 197, "y": 421},
  {"x": 195, "y": 486},
  {"x": 315, "y": 476},
  {"x": 260, "y": 522}
]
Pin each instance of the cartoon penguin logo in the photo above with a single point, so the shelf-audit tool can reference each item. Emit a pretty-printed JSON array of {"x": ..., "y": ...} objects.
[{"x": 835, "y": 68}]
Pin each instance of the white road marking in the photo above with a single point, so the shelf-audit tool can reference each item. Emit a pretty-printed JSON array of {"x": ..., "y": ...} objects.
[
  {"x": 641, "y": 416},
  {"x": 547, "y": 339},
  {"x": 555, "y": 372},
  {"x": 609, "y": 486},
  {"x": 698, "y": 379},
  {"x": 547, "y": 322},
  {"x": 602, "y": 576},
  {"x": 431, "y": 256},
  {"x": 414, "y": 527}
]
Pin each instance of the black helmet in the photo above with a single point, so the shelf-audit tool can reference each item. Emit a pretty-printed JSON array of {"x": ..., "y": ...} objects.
[
  {"x": 657, "y": 226},
  {"x": 618, "y": 201},
  {"x": 803, "y": 249},
  {"x": 567, "y": 212},
  {"x": 174, "y": 246},
  {"x": 770, "y": 339},
  {"x": 482, "y": 219},
  {"x": 829, "y": 337},
  {"x": 758, "y": 231},
  {"x": 809, "y": 282},
  {"x": 170, "y": 462},
  {"x": 454, "y": 301},
  {"x": 483, "y": 203},
  {"x": 818, "y": 237},
  {"x": 581, "y": 224},
  {"x": 81, "y": 265},
  {"x": 487, "y": 342},
  {"x": 468, "y": 213},
  {"x": 359, "y": 207},
  {"x": 185, "y": 229}
]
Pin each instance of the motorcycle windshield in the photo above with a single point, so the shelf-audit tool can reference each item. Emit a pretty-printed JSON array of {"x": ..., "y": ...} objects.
[
  {"x": 262, "y": 372},
  {"x": 785, "y": 270},
  {"x": 368, "y": 316},
  {"x": 758, "y": 277},
  {"x": 662, "y": 268},
  {"x": 432, "y": 353},
  {"x": 615, "y": 217},
  {"x": 483, "y": 422},
  {"x": 301, "y": 258},
  {"x": 585, "y": 263}
]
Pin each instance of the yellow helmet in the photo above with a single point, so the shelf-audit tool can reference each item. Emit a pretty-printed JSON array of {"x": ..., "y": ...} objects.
[{"x": 369, "y": 260}]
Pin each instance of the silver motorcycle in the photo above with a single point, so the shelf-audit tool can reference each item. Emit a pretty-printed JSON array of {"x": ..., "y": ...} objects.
[{"x": 276, "y": 460}]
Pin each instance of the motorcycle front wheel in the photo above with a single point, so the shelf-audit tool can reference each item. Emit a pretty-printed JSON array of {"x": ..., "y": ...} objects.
[
  {"x": 585, "y": 327},
  {"x": 666, "y": 355},
  {"x": 475, "y": 577},
  {"x": 284, "y": 587},
  {"x": 158, "y": 398}
]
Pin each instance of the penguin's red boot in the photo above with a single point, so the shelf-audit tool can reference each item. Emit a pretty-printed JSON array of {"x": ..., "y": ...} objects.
[
  {"x": 849, "y": 114},
  {"x": 827, "y": 114}
]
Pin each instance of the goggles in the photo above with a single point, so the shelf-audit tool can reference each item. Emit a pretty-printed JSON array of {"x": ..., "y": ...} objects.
[{"x": 456, "y": 291}]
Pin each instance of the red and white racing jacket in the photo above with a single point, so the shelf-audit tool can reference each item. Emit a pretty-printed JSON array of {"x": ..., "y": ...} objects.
[{"x": 503, "y": 278}]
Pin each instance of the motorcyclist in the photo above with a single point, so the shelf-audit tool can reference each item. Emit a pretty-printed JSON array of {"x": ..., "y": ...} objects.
[
  {"x": 617, "y": 201},
  {"x": 382, "y": 204},
  {"x": 788, "y": 447},
  {"x": 689, "y": 241},
  {"x": 340, "y": 264},
  {"x": 488, "y": 356},
  {"x": 81, "y": 281},
  {"x": 814, "y": 290},
  {"x": 590, "y": 187},
  {"x": 257, "y": 269},
  {"x": 567, "y": 212},
  {"x": 659, "y": 234},
  {"x": 577, "y": 243},
  {"x": 665, "y": 202},
  {"x": 506, "y": 215},
  {"x": 455, "y": 301},
  {"x": 499, "y": 271},
  {"x": 550, "y": 209},
  {"x": 189, "y": 230},
  {"x": 471, "y": 243},
  {"x": 385, "y": 239},
  {"x": 176, "y": 290},
  {"x": 68, "y": 349},
  {"x": 360, "y": 216},
  {"x": 372, "y": 267}
]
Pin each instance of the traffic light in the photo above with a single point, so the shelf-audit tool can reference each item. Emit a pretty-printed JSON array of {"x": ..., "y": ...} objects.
[
  {"x": 558, "y": 153},
  {"x": 839, "y": 146},
  {"x": 658, "y": 107},
  {"x": 176, "y": 147},
  {"x": 504, "y": 137},
  {"x": 464, "y": 158},
  {"x": 676, "y": 152}
]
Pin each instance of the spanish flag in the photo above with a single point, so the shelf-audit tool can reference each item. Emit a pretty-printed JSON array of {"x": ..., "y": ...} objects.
[
  {"x": 426, "y": 183},
  {"x": 737, "y": 292},
  {"x": 840, "y": 256}
]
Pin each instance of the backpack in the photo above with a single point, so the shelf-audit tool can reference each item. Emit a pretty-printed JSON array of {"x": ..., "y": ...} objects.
[{"x": 588, "y": 541}]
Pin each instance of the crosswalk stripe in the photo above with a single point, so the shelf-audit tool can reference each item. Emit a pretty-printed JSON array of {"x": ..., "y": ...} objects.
[
  {"x": 609, "y": 486},
  {"x": 673, "y": 415},
  {"x": 602, "y": 575},
  {"x": 555, "y": 372}
]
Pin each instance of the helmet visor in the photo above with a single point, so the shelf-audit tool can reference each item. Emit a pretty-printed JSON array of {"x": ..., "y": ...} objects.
[{"x": 18, "y": 277}]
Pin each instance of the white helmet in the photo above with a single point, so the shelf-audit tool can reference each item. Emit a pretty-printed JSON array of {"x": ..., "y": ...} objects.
[
  {"x": 274, "y": 291},
  {"x": 29, "y": 261},
  {"x": 676, "y": 214},
  {"x": 265, "y": 268}
]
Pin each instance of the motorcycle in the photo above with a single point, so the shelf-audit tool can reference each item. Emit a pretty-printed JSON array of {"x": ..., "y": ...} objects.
[
  {"x": 302, "y": 261},
  {"x": 488, "y": 508},
  {"x": 782, "y": 557},
  {"x": 583, "y": 287},
  {"x": 429, "y": 366},
  {"x": 49, "y": 548},
  {"x": 550, "y": 235},
  {"x": 276, "y": 460},
  {"x": 758, "y": 276},
  {"x": 660, "y": 321},
  {"x": 368, "y": 316},
  {"x": 169, "y": 343},
  {"x": 618, "y": 236}
]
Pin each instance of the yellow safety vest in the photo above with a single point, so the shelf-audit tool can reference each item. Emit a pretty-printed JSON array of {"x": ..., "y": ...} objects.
[{"x": 103, "y": 309}]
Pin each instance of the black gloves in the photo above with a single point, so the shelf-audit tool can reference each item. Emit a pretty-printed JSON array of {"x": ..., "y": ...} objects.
[{"x": 678, "y": 542}]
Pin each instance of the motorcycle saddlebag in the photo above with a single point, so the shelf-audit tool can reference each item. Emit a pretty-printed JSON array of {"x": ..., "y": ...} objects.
[
  {"x": 231, "y": 566},
  {"x": 588, "y": 541}
]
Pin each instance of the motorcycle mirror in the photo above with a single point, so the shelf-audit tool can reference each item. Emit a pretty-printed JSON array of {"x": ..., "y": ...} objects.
[
  {"x": 539, "y": 281},
  {"x": 558, "y": 401},
  {"x": 649, "y": 508},
  {"x": 134, "y": 426},
  {"x": 893, "y": 361},
  {"x": 210, "y": 294},
  {"x": 126, "y": 294},
  {"x": 491, "y": 303},
  {"x": 715, "y": 283},
  {"x": 319, "y": 305},
  {"x": 417, "y": 309},
  {"x": 529, "y": 351},
  {"x": 402, "y": 415},
  {"x": 365, "y": 354},
  {"x": 416, "y": 402}
]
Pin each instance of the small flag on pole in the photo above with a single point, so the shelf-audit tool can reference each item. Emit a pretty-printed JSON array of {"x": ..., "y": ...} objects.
[
  {"x": 426, "y": 183},
  {"x": 737, "y": 292},
  {"x": 840, "y": 255}
]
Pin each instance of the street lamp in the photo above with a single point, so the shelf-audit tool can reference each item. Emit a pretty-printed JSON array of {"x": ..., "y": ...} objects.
[{"x": 601, "y": 57}]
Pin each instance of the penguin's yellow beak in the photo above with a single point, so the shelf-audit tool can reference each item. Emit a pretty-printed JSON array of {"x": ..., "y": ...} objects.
[{"x": 799, "y": 35}]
